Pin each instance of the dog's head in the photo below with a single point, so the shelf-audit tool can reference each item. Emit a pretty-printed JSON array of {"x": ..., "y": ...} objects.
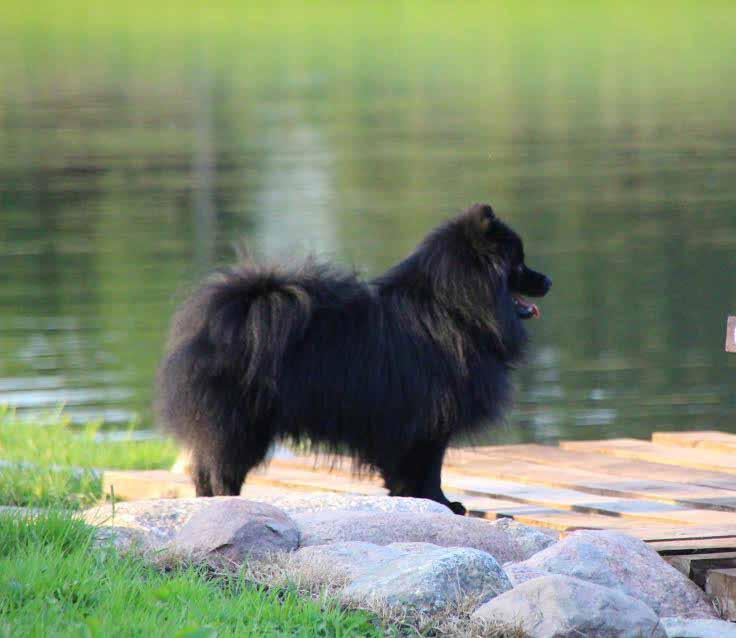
[{"x": 505, "y": 250}]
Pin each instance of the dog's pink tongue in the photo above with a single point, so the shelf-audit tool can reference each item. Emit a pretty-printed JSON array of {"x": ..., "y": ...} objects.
[{"x": 536, "y": 313}]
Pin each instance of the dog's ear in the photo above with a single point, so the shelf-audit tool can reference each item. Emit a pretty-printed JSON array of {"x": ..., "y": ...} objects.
[{"x": 484, "y": 216}]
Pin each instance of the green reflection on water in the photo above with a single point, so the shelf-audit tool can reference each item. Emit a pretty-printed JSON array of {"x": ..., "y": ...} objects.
[{"x": 139, "y": 142}]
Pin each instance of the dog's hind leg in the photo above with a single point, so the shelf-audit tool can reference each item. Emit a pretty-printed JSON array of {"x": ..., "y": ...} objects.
[{"x": 420, "y": 475}]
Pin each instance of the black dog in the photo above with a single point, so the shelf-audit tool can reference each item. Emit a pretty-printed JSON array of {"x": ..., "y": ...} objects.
[{"x": 387, "y": 371}]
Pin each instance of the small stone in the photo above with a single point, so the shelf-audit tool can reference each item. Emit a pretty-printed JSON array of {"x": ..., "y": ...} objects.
[
  {"x": 429, "y": 581},
  {"x": 563, "y": 607},
  {"x": 627, "y": 564},
  {"x": 234, "y": 530},
  {"x": 384, "y": 528},
  {"x": 698, "y": 628}
]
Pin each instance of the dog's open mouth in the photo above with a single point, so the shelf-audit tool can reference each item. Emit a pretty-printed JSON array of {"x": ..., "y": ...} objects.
[{"x": 524, "y": 308}]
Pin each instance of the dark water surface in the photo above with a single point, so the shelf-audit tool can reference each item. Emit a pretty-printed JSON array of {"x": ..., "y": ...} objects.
[{"x": 137, "y": 144}]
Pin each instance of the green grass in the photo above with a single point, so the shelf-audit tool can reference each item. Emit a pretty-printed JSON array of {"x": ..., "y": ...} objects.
[
  {"x": 52, "y": 462},
  {"x": 52, "y": 584}
]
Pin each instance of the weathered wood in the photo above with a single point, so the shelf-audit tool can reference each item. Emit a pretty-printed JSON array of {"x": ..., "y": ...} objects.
[
  {"x": 695, "y": 546},
  {"x": 134, "y": 485},
  {"x": 707, "y": 439},
  {"x": 696, "y": 566},
  {"x": 731, "y": 334},
  {"x": 645, "y": 451},
  {"x": 607, "y": 464},
  {"x": 720, "y": 584},
  {"x": 518, "y": 471},
  {"x": 565, "y": 499}
]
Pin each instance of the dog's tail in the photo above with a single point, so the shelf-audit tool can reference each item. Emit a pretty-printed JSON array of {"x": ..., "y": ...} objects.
[{"x": 227, "y": 345}]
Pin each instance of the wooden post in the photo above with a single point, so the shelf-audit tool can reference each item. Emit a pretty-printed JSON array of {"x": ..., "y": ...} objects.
[{"x": 731, "y": 335}]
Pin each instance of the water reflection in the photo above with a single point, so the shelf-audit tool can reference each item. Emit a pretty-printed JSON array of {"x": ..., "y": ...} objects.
[{"x": 134, "y": 157}]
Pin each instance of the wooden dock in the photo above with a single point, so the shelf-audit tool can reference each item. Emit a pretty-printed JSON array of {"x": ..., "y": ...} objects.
[{"x": 677, "y": 492}]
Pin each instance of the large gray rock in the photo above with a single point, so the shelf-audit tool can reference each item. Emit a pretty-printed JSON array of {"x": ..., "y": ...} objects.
[
  {"x": 235, "y": 530},
  {"x": 159, "y": 518},
  {"x": 520, "y": 573},
  {"x": 341, "y": 562},
  {"x": 626, "y": 564},
  {"x": 502, "y": 543},
  {"x": 529, "y": 539},
  {"x": 563, "y": 607},
  {"x": 698, "y": 628},
  {"x": 123, "y": 539},
  {"x": 162, "y": 518},
  {"x": 428, "y": 581}
]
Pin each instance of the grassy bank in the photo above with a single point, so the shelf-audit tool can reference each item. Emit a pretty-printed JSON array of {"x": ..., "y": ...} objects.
[
  {"x": 52, "y": 584},
  {"x": 49, "y": 462}
]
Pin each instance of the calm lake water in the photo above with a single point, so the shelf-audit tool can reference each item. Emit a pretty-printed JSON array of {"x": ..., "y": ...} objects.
[{"x": 137, "y": 144}]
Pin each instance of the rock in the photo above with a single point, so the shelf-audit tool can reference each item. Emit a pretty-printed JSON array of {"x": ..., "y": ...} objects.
[
  {"x": 698, "y": 628},
  {"x": 429, "y": 581},
  {"x": 529, "y": 539},
  {"x": 234, "y": 530},
  {"x": 395, "y": 527},
  {"x": 162, "y": 518},
  {"x": 340, "y": 563},
  {"x": 123, "y": 539},
  {"x": 563, "y": 607},
  {"x": 324, "y": 502},
  {"x": 520, "y": 573},
  {"x": 624, "y": 563}
]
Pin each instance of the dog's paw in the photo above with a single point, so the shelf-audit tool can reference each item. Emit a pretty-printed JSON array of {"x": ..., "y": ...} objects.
[{"x": 458, "y": 508}]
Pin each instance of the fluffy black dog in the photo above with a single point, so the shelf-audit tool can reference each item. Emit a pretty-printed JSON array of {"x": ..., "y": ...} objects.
[{"x": 387, "y": 371}]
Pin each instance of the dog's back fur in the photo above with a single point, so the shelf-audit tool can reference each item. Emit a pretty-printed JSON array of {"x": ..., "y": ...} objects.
[{"x": 387, "y": 371}]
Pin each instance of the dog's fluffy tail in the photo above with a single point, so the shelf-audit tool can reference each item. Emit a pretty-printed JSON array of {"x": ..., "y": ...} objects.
[{"x": 228, "y": 342}]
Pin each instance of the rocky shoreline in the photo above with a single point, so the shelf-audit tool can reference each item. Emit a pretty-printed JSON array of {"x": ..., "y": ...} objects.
[{"x": 403, "y": 556}]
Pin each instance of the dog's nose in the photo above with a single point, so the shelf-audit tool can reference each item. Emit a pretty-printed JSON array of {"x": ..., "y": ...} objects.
[{"x": 547, "y": 285}]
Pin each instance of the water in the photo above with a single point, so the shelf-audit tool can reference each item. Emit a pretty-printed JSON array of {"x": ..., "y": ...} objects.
[{"x": 138, "y": 143}]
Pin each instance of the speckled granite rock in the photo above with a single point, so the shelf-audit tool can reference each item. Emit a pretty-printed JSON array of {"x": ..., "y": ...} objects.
[
  {"x": 520, "y": 573},
  {"x": 563, "y": 607},
  {"x": 395, "y": 527},
  {"x": 626, "y": 564},
  {"x": 235, "y": 530},
  {"x": 429, "y": 581},
  {"x": 698, "y": 628},
  {"x": 325, "y": 502},
  {"x": 162, "y": 518},
  {"x": 123, "y": 539}
]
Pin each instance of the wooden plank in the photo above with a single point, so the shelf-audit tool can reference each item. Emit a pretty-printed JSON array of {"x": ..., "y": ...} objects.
[
  {"x": 306, "y": 480},
  {"x": 566, "y": 499},
  {"x": 720, "y": 584},
  {"x": 695, "y": 545},
  {"x": 606, "y": 464},
  {"x": 502, "y": 468},
  {"x": 482, "y": 465},
  {"x": 695, "y": 566},
  {"x": 134, "y": 485},
  {"x": 645, "y": 451},
  {"x": 731, "y": 334},
  {"x": 707, "y": 440}
]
